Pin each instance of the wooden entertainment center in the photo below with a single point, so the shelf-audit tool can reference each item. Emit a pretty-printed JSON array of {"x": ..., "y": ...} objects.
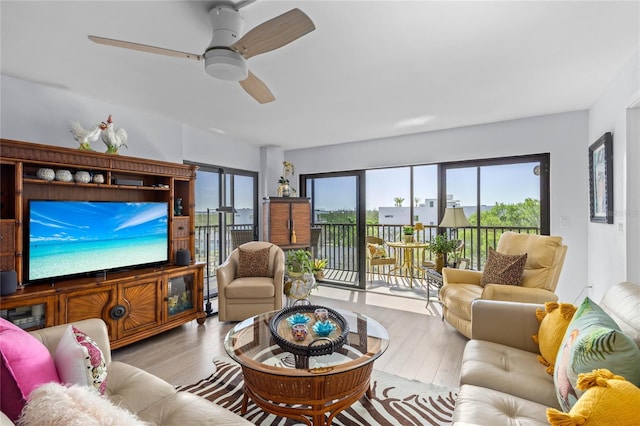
[{"x": 135, "y": 303}]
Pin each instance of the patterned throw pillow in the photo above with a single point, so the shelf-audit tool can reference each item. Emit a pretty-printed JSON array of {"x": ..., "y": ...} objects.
[
  {"x": 592, "y": 341},
  {"x": 503, "y": 268},
  {"x": 554, "y": 320},
  {"x": 253, "y": 263},
  {"x": 80, "y": 361},
  {"x": 376, "y": 251},
  {"x": 607, "y": 400}
]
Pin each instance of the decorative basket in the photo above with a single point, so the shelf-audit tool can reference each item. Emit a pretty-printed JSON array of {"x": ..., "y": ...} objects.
[{"x": 318, "y": 346}]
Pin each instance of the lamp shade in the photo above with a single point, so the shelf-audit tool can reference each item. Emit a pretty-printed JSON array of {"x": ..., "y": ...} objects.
[
  {"x": 418, "y": 226},
  {"x": 454, "y": 218}
]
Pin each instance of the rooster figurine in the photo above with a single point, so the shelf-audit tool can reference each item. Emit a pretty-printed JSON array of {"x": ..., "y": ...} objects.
[
  {"x": 85, "y": 137},
  {"x": 114, "y": 139}
]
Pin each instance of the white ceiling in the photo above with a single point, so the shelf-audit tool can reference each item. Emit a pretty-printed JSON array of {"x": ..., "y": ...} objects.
[{"x": 371, "y": 69}]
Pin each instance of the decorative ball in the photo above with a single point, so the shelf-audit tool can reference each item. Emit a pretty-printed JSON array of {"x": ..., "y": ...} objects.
[
  {"x": 98, "y": 178},
  {"x": 64, "y": 176},
  {"x": 83, "y": 177},
  {"x": 46, "y": 174}
]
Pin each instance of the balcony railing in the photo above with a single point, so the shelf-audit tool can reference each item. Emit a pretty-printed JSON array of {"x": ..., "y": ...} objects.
[{"x": 338, "y": 244}]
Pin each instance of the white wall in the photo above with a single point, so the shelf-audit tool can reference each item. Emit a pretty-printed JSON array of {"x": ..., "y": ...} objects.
[
  {"x": 562, "y": 135},
  {"x": 610, "y": 246},
  {"x": 36, "y": 113}
]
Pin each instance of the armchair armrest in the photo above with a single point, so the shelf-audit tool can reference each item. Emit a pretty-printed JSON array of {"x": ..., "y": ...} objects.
[
  {"x": 512, "y": 293},
  {"x": 226, "y": 273},
  {"x": 506, "y": 323},
  {"x": 461, "y": 276},
  {"x": 94, "y": 327}
]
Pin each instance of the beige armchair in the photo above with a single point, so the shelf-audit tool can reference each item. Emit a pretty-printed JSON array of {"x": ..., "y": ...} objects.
[
  {"x": 545, "y": 257},
  {"x": 248, "y": 286}
]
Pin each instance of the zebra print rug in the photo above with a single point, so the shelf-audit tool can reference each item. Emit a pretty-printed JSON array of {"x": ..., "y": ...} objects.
[{"x": 395, "y": 400}]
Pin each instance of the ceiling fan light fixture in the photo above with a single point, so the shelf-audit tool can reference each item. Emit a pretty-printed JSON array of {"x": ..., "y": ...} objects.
[{"x": 226, "y": 65}]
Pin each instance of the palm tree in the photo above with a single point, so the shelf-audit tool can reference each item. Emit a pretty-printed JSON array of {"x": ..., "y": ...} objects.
[
  {"x": 417, "y": 200},
  {"x": 398, "y": 201}
]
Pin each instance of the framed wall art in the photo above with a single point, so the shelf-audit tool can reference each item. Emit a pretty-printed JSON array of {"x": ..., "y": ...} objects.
[{"x": 601, "y": 179}]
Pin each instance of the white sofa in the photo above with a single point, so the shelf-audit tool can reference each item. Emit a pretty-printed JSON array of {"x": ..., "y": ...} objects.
[
  {"x": 152, "y": 399},
  {"x": 502, "y": 381}
]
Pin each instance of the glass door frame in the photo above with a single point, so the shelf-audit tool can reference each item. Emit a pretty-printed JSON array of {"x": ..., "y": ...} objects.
[{"x": 360, "y": 216}]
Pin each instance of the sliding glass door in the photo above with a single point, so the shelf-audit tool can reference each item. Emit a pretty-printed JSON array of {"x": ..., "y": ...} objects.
[
  {"x": 497, "y": 196},
  {"x": 337, "y": 224}
]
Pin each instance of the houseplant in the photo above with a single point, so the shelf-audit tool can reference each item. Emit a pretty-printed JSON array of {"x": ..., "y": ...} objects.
[
  {"x": 284, "y": 189},
  {"x": 441, "y": 245},
  {"x": 407, "y": 231},
  {"x": 318, "y": 268},
  {"x": 299, "y": 280}
]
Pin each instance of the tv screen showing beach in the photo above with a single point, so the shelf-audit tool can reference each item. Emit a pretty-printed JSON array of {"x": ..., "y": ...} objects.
[{"x": 76, "y": 237}]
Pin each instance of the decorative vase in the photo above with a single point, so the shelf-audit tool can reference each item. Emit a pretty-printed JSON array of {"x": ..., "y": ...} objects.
[
  {"x": 46, "y": 174},
  {"x": 318, "y": 275},
  {"x": 439, "y": 262},
  {"x": 98, "y": 178},
  {"x": 284, "y": 190},
  {"x": 298, "y": 286},
  {"x": 83, "y": 177},
  {"x": 64, "y": 176}
]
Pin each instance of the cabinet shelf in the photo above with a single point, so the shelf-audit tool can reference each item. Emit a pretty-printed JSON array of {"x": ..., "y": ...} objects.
[{"x": 37, "y": 181}]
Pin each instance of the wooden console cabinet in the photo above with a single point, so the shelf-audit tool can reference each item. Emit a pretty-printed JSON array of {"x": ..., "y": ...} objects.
[
  {"x": 136, "y": 303},
  {"x": 284, "y": 215}
]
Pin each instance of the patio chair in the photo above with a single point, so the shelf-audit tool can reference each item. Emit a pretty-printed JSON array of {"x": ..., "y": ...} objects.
[{"x": 378, "y": 256}]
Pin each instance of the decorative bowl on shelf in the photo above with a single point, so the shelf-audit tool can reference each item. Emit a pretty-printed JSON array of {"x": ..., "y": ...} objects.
[
  {"x": 98, "y": 178},
  {"x": 298, "y": 319},
  {"x": 83, "y": 177},
  {"x": 323, "y": 328},
  {"x": 46, "y": 174},
  {"x": 64, "y": 176}
]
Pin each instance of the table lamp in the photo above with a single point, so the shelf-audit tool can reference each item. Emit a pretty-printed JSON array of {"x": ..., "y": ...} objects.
[{"x": 455, "y": 218}]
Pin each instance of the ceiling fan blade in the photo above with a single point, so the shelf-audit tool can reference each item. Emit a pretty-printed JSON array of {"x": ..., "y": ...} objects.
[
  {"x": 257, "y": 89},
  {"x": 274, "y": 33},
  {"x": 145, "y": 48}
]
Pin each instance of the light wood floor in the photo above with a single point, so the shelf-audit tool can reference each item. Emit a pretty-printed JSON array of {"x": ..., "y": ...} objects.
[{"x": 421, "y": 347}]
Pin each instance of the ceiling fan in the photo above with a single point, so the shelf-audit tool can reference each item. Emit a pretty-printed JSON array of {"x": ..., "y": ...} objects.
[{"x": 226, "y": 56}]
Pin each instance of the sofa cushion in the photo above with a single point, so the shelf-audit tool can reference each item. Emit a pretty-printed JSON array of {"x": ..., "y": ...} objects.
[
  {"x": 476, "y": 405},
  {"x": 592, "y": 341},
  {"x": 250, "y": 288},
  {"x": 554, "y": 320},
  {"x": 25, "y": 363},
  {"x": 503, "y": 268},
  {"x": 55, "y": 404},
  {"x": 608, "y": 400},
  {"x": 506, "y": 369},
  {"x": 253, "y": 263},
  {"x": 80, "y": 361}
]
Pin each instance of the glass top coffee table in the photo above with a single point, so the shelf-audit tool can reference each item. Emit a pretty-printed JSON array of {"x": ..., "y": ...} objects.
[{"x": 331, "y": 383}]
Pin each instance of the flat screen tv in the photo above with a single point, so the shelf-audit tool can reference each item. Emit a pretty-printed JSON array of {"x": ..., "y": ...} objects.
[{"x": 70, "y": 238}]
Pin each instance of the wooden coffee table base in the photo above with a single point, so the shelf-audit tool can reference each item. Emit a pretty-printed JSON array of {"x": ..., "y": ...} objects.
[{"x": 309, "y": 396}]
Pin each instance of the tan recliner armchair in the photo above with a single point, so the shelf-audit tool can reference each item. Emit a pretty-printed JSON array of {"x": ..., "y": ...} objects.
[
  {"x": 241, "y": 298},
  {"x": 545, "y": 257}
]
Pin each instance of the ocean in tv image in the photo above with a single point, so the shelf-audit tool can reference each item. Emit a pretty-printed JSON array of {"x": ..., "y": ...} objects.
[{"x": 74, "y": 237}]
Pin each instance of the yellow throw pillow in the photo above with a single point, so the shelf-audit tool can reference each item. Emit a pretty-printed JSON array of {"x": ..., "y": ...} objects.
[
  {"x": 608, "y": 400},
  {"x": 554, "y": 321}
]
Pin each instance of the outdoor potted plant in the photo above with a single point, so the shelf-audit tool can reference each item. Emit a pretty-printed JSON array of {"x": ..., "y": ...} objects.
[
  {"x": 407, "y": 231},
  {"x": 299, "y": 280},
  {"x": 441, "y": 245},
  {"x": 318, "y": 268}
]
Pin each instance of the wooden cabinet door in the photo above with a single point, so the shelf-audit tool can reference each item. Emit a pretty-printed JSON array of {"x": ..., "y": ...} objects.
[
  {"x": 142, "y": 301},
  {"x": 89, "y": 303},
  {"x": 301, "y": 220},
  {"x": 279, "y": 223}
]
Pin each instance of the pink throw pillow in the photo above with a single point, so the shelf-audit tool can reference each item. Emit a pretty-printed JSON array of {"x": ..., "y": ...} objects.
[{"x": 24, "y": 365}]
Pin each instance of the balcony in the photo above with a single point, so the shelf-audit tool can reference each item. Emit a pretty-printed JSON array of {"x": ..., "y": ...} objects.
[{"x": 338, "y": 244}]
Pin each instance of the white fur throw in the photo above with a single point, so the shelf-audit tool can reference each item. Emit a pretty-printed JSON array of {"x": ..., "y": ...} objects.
[{"x": 56, "y": 404}]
